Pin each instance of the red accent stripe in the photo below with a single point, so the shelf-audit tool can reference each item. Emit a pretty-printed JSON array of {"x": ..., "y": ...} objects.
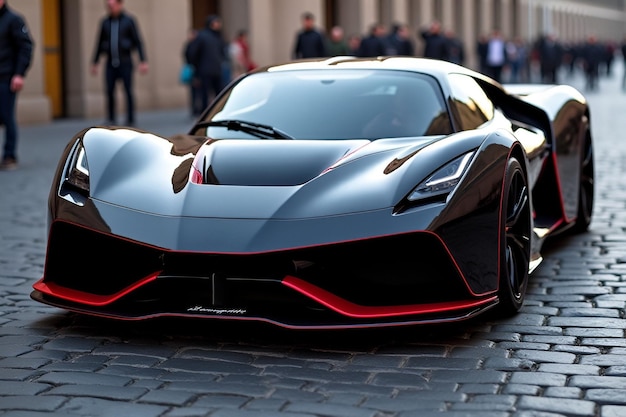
[
  {"x": 350, "y": 309},
  {"x": 82, "y": 297}
]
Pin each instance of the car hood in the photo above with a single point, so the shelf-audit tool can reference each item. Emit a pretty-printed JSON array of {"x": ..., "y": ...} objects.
[
  {"x": 279, "y": 179},
  {"x": 271, "y": 163}
]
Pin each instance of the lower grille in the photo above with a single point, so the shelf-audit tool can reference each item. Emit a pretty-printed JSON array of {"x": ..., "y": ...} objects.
[{"x": 396, "y": 270}]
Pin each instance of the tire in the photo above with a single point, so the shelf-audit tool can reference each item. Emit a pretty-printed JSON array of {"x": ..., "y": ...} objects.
[
  {"x": 515, "y": 240},
  {"x": 585, "y": 187}
]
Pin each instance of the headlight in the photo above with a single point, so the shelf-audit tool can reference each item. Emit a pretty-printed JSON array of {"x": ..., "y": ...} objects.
[
  {"x": 443, "y": 181},
  {"x": 76, "y": 178}
]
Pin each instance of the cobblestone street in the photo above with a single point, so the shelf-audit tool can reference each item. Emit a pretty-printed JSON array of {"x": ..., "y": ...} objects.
[{"x": 563, "y": 356}]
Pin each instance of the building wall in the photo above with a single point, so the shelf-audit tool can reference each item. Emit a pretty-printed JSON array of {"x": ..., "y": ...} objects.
[{"x": 272, "y": 25}]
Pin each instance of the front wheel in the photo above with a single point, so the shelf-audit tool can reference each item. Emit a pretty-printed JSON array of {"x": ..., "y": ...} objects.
[{"x": 515, "y": 239}]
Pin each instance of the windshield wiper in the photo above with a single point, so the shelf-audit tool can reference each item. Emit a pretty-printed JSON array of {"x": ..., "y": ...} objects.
[{"x": 255, "y": 129}]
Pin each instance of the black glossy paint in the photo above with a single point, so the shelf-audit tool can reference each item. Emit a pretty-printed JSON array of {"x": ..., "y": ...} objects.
[{"x": 241, "y": 215}]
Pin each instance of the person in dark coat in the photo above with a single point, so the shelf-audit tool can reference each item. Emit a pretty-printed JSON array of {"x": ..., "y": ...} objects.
[
  {"x": 207, "y": 53},
  {"x": 592, "y": 54},
  {"x": 399, "y": 41},
  {"x": 550, "y": 58},
  {"x": 456, "y": 49},
  {"x": 310, "y": 42},
  {"x": 195, "y": 94},
  {"x": 16, "y": 50},
  {"x": 374, "y": 44},
  {"x": 435, "y": 43},
  {"x": 623, "y": 49},
  {"x": 481, "y": 52},
  {"x": 118, "y": 38}
]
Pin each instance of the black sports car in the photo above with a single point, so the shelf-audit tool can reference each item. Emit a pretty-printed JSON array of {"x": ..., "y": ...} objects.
[{"x": 324, "y": 193}]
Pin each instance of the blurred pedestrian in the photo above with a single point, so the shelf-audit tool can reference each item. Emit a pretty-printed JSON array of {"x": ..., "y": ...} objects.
[
  {"x": 16, "y": 49},
  {"x": 354, "y": 42},
  {"x": 572, "y": 53},
  {"x": 208, "y": 55},
  {"x": 239, "y": 51},
  {"x": 517, "y": 59},
  {"x": 496, "y": 55},
  {"x": 435, "y": 43},
  {"x": 481, "y": 52},
  {"x": 610, "y": 48},
  {"x": 456, "y": 50},
  {"x": 399, "y": 41},
  {"x": 623, "y": 48},
  {"x": 592, "y": 54},
  {"x": 373, "y": 44},
  {"x": 310, "y": 42},
  {"x": 550, "y": 58},
  {"x": 118, "y": 38},
  {"x": 336, "y": 43},
  {"x": 194, "y": 86}
]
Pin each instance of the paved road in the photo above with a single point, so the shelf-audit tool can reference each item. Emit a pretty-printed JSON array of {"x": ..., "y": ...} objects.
[{"x": 564, "y": 355}]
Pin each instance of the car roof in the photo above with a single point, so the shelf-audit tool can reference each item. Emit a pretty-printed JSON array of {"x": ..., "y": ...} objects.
[{"x": 433, "y": 67}]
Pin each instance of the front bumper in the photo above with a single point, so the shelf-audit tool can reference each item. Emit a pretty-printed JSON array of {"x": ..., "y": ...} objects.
[{"x": 389, "y": 280}]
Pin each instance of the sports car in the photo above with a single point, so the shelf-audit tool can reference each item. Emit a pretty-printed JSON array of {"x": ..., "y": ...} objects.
[{"x": 330, "y": 193}]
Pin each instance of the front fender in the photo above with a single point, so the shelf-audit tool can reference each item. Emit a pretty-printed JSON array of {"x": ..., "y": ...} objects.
[{"x": 469, "y": 224}]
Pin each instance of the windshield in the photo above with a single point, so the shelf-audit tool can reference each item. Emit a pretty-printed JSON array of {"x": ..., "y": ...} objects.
[{"x": 333, "y": 105}]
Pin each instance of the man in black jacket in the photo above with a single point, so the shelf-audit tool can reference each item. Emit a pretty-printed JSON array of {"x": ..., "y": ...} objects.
[
  {"x": 207, "y": 54},
  {"x": 435, "y": 43},
  {"x": 623, "y": 48},
  {"x": 310, "y": 42},
  {"x": 16, "y": 49},
  {"x": 373, "y": 45},
  {"x": 119, "y": 37}
]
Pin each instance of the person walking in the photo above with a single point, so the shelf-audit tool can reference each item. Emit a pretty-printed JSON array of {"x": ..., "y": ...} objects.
[
  {"x": 208, "y": 55},
  {"x": 517, "y": 58},
  {"x": 623, "y": 49},
  {"x": 193, "y": 83},
  {"x": 399, "y": 42},
  {"x": 16, "y": 49},
  {"x": 336, "y": 43},
  {"x": 118, "y": 37},
  {"x": 592, "y": 55},
  {"x": 435, "y": 43},
  {"x": 239, "y": 50},
  {"x": 550, "y": 58},
  {"x": 354, "y": 43},
  {"x": 482, "y": 45},
  {"x": 456, "y": 49},
  {"x": 496, "y": 55},
  {"x": 373, "y": 45},
  {"x": 310, "y": 42}
]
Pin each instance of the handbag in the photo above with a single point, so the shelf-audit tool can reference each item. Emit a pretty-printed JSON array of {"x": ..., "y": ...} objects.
[{"x": 186, "y": 74}]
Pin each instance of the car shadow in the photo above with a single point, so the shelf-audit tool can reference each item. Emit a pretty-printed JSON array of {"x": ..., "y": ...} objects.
[{"x": 208, "y": 333}]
